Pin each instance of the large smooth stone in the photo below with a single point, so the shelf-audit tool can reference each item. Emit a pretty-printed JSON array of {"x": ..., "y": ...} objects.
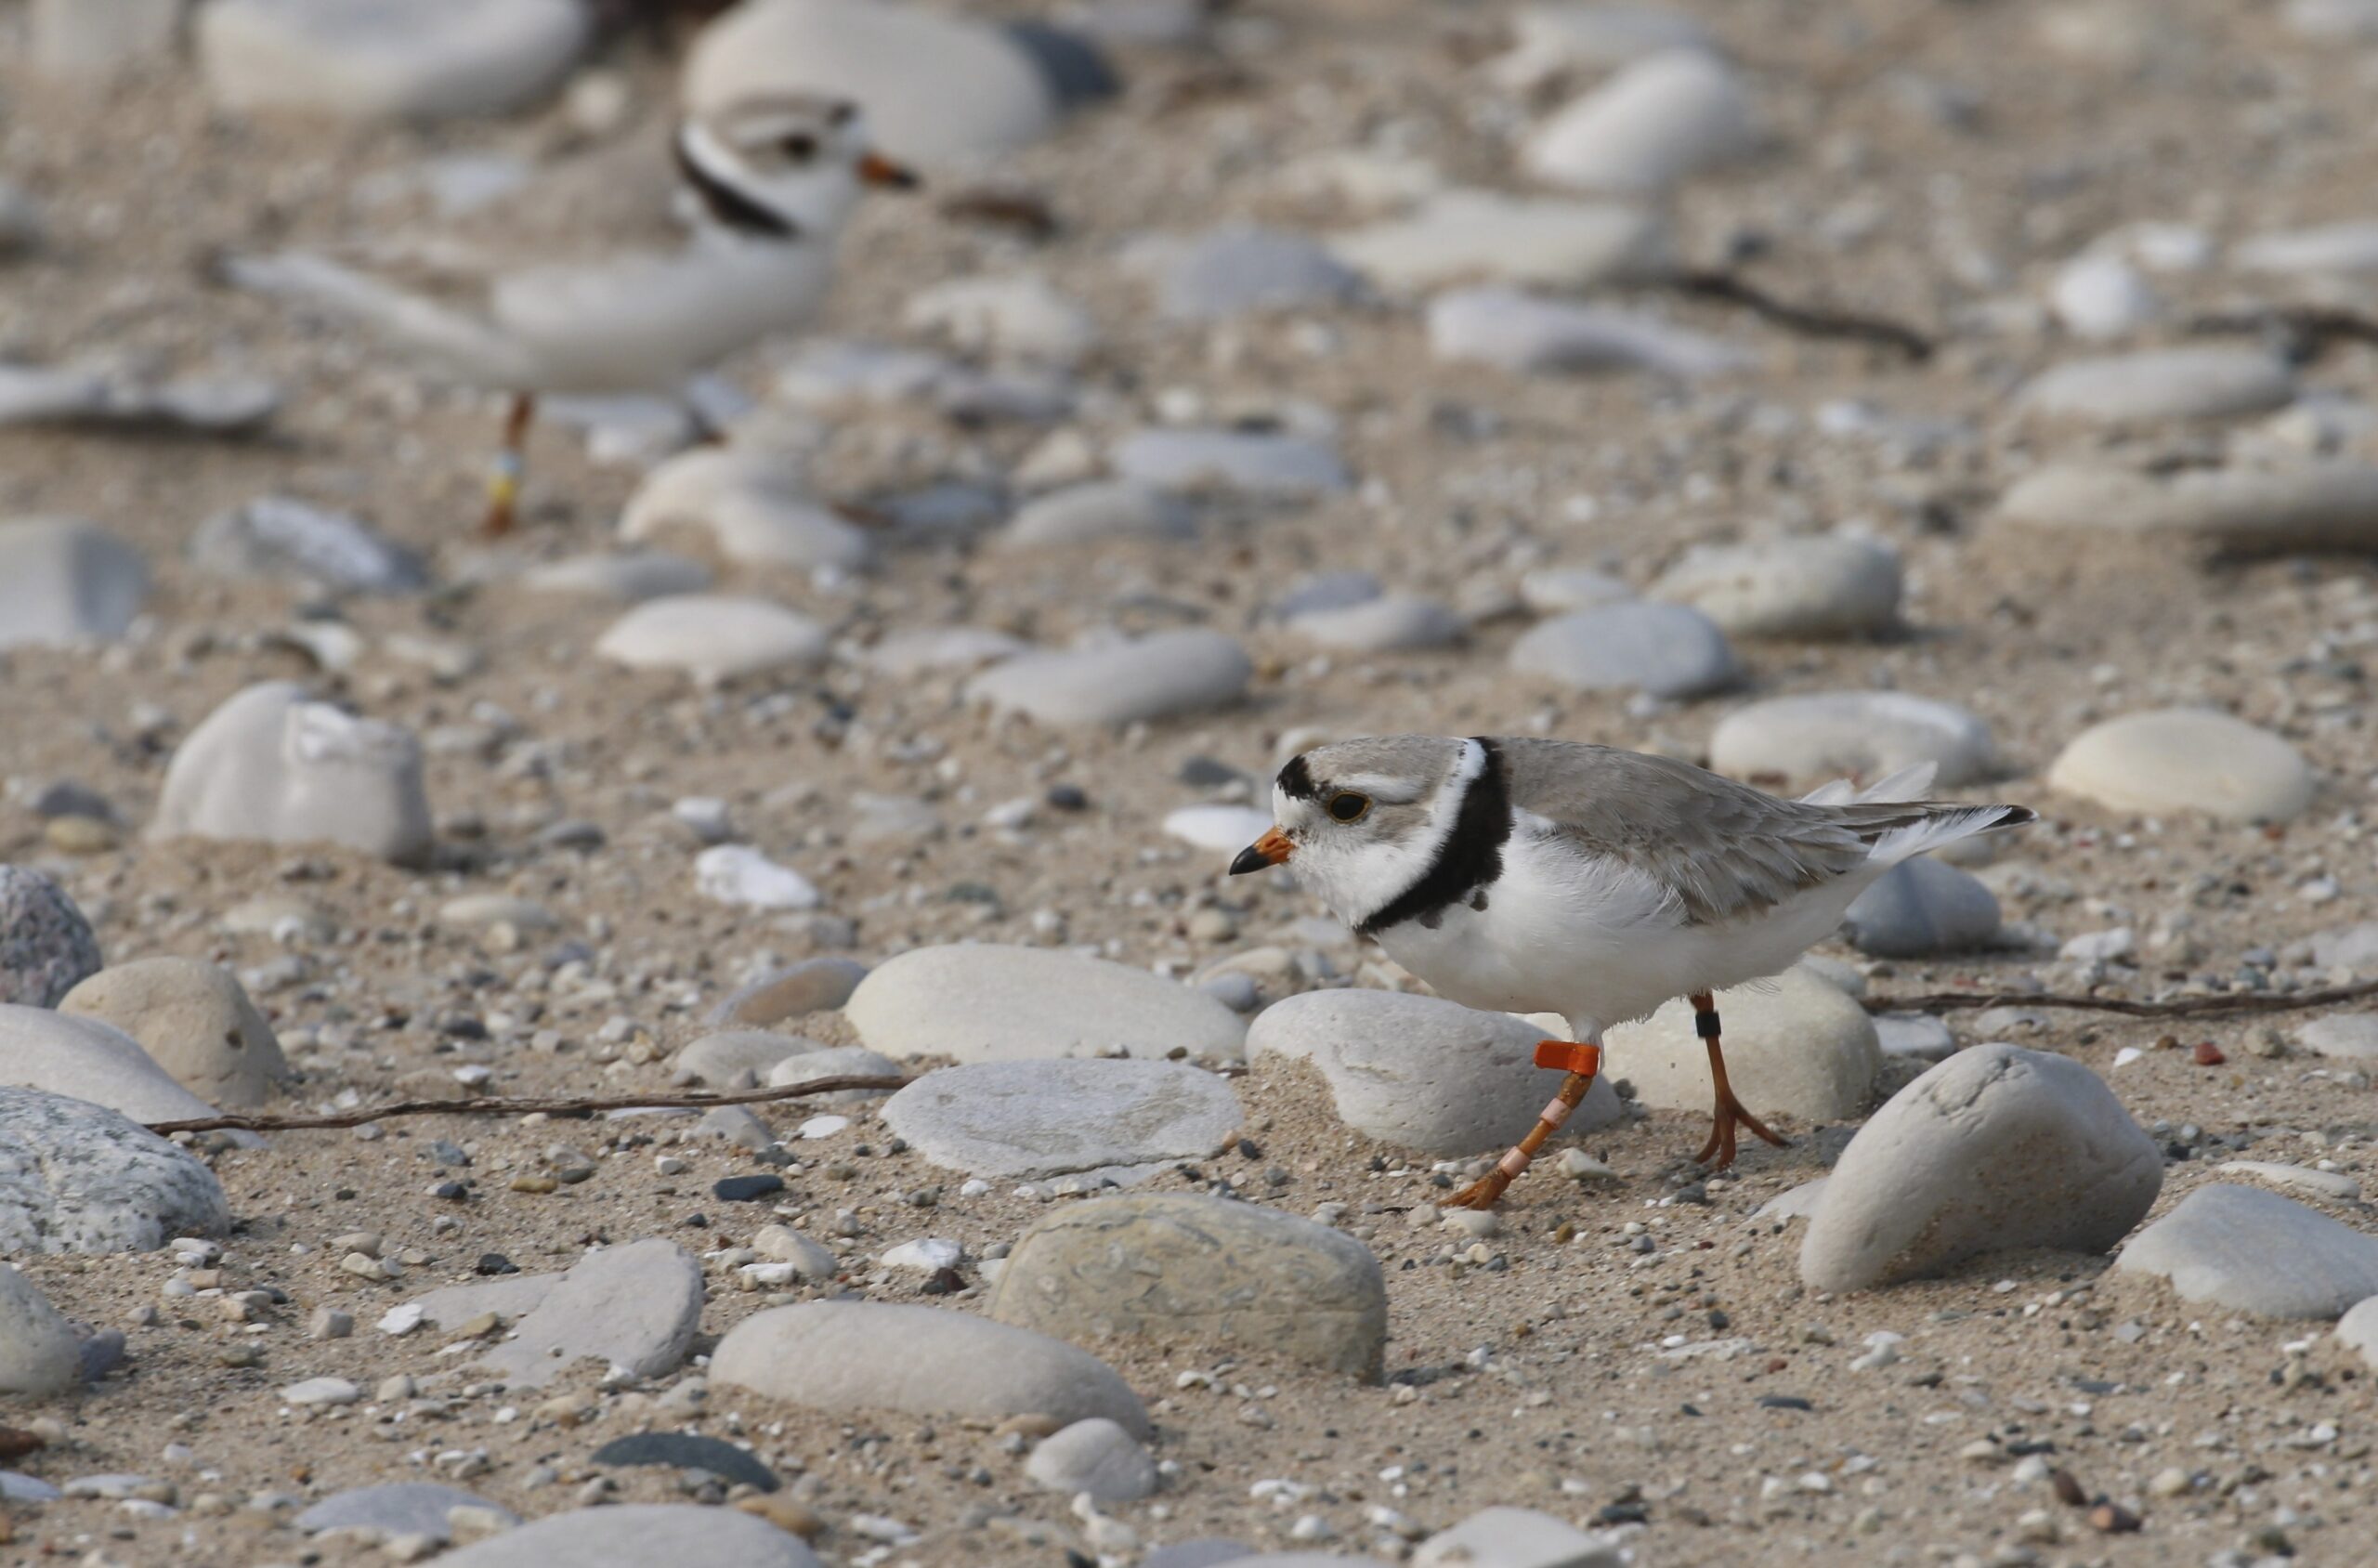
[
  {"x": 990, "y": 1003},
  {"x": 397, "y": 1507},
  {"x": 724, "y": 1058},
  {"x": 1515, "y": 1537},
  {"x": 1664, "y": 650},
  {"x": 634, "y": 1307},
  {"x": 1389, "y": 623},
  {"x": 1659, "y": 120},
  {"x": 77, "y": 1177},
  {"x": 388, "y": 60},
  {"x": 2311, "y": 506},
  {"x": 2253, "y": 1251},
  {"x": 2181, "y": 759},
  {"x": 751, "y": 503},
  {"x": 1921, "y": 907},
  {"x": 1795, "y": 1045},
  {"x": 1817, "y": 587},
  {"x": 38, "y": 1352},
  {"x": 640, "y": 1535},
  {"x": 1033, "y": 1119},
  {"x": 1488, "y": 236},
  {"x": 2350, "y": 1035},
  {"x": 1531, "y": 334},
  {"x": 713, "y": 637},
  {"x": 2209, "y": 382},
  {"x": 1265, "y": 464},
  {"x": 922, "y": 1360},
  {"x": 193, "y": 1020},
  {"x": 1242, "y": 268},
  {"x": 938, "y": 86},
  {"x": 65, "y": 583},
  {"x": 1867, "y": 735},
  {"x": 811, "y": 985},
  {"x": 92, "y": 1061},
  {"x": 47, "y": 948},
  {"x": 1152, "y": 678},
  {"x": 1420, "y": 1072},
  {"x": 1096, "y": 510},
  {"x": 1995, "y": 1148},
  {"x": 927, "y": 650},
  {"x": 1182, "y": 1268},
  {"x": 271, "y": 765}
]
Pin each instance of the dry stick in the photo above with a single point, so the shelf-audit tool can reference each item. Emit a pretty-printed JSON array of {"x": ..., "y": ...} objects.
[
  {"x": 1806, "y": 320},
  {"x": 499, "y": 1105},
  {"x": 2181, "y": 1007}
]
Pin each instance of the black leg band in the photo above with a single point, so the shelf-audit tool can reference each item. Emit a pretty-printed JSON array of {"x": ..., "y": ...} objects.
[{"x": 1704, "y": 1024}]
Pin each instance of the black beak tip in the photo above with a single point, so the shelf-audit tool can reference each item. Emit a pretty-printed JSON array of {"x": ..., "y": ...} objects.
[{"x": 1250, "y": 859}]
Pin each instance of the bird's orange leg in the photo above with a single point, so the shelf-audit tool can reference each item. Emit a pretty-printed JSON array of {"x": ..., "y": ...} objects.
[
  {"x": 511, "y": 464},
  {"x": 1729, "y": 1113},
  {"x": 1583, "y": 1063}
]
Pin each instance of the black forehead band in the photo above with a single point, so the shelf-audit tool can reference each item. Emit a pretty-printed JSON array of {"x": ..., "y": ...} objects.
[{"x": 1296, "y": 781}]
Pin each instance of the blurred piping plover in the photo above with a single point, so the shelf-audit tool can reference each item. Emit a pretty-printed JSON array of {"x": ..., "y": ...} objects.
[
  {"x": 1528, "y": 875},
  {"x": 767, "y": 184}
]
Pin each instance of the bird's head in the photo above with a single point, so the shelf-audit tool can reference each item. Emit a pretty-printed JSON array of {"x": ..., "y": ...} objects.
[
  {"x": 1362, "y": 821},
  {"x": 783, "y": 165}
]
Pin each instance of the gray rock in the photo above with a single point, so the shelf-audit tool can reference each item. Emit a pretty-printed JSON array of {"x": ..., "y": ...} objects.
[
  {"x": 76, "y": 1177},
  {"x": 678, "y": 1450},
  {"x": 399, "y": 1507},
  {"x": 1392, "y": 623},
  {"x": 842, "y": 1061},
  {"x": 193, "y": 1020},
  {"x": 64, "y": 582},
  {"x": 1261, "y": 464},
  {"x": 811, "y": 985},
  {"x": 90, "y": 1060},
  {"x": 2357, "y": 1329},
  {"x": 924, "y": 1360},
  {"x": 1179, "y": 1268},
  {"x": 508, "y": 1295},
  {"x": 1488, "y": 236},
  {"x": 929, "y": 649},
  {"x": 270, "y": 766},
  {"x": 628, "y": 577},
  {"x": 1865, "y": 735},
  {"x": 1794, "y": 1046},
  {"x": 1326, "y": 591},
  {"x": 2348, "y": 946},
  {"x": 2185, "y": 760},
  {"x": 2205, "y": 382},
  {"x": 1997, "y": 1148},
  {"x": 388, "y": 60},
  {"x": 47, "y": 948},
  {"x": 639, "y": 1535},
  {"x": 1916, "y": 1037},
  {"x": 274, "y": 536},
  {"x": 1152, "y": 678},
  {"x": 105, "y": 396},
  {"x": 740, "y": 1125},
  {"x": 1095, "y": 510},
  {"x": 1554, "y": 590},
  {"x": 1525, "y": 332},
  {"x": 1097, "y": 1457},
  {"x": 38, "y": 1351},
  {"x": 2253, "y": 1251},
  {"x": 988, "y": 1002},
  {"x": 1420, "y": 1072},
  {"x": 2353, "y": 1036},
  {"x": 1920, "y": 908},
  {"x": 1797, "y": 1203},
  {"x": 1664, "y": 650},
  {"x": 2340, "y": 250},
  {"x": 1021, "y": 318},
  {"x": 1242, "y": 268},
  {"x": 1210, "y": 1552},
  {"x": 1659, "y": 120},
  {"x": 634, "y": 1306},
  {"x": 2334, "y": 1186},
  {"x": 1026, "y": 1120},
  {"x": 725, "y": 1057},
  {"x": 713, "y": 637},
  {"x": 2311, "y": 505},
  {"x": 1515, "y": 1537},
  {"x": 751, "y": 503},
  {"x": 1814, "y": 587}
]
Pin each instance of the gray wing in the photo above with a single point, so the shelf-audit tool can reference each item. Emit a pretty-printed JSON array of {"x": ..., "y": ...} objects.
[{"x": 1725, "y": 850}]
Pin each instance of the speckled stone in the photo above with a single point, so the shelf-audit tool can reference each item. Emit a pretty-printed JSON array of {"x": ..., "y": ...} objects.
[{"x": 47, "y": 948}]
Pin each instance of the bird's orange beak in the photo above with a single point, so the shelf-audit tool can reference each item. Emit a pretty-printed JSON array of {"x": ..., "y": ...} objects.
[
  {"x": 876, "y": 169},
  {"x": 1271, "y": 849}
]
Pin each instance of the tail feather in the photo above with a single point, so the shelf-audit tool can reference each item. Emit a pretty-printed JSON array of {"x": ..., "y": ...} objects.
[
  {"x": 1910, "y": 783},
  {"x": 1932, "y": 825},
  {"x": 427, "y": 327}
]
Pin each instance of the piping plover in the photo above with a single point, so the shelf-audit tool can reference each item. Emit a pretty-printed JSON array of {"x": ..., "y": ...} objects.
[
  {"x": 765, "y": 184},
  {"x": 1528, "y": 875}
]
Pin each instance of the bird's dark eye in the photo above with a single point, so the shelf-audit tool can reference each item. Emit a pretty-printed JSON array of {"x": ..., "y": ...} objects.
[
  {"x": 800, "y": 147},
  {"x": 1347, "y": 807}
]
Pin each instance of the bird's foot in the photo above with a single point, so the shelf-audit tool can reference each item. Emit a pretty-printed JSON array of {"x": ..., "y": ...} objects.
[
  {"x": 1727, "y": 1116},
  {"x": 1483, "y": 1193}
]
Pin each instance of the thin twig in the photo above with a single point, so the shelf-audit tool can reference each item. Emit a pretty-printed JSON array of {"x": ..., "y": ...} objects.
[
  {"x": 1809, "y": 320},
  {"x": 2312, "y": 329},
  {"x": 501, "y": 1106},
  {"x": 2179, "y": 1007}
]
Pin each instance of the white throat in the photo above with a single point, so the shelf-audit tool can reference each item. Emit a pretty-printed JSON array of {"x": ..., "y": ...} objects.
[{"x": 1358, "y": 883}]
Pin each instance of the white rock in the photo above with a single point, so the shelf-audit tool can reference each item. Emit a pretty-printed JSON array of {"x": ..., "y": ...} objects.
[
  {"x": 1665, "y": 651},
  {"x": 1555, "y": 35},
  {"x": 38, "y": 1352},
  {"x": 1022, "y": 317},
  {"x": 64, "y": 582},
  {"x": 2185, "y": 760},
  {"x": 752, "y": 505},
  {"x": 926, "y": 1254},
  {"x": 2339, "y": 249},
  {"x": 634, "y": 1306},
  {"x": 2101, "y": 297},
  {"x": 713, "y": 637},
  {"x": 1096, "y": 1457},
  {"x": 388, "y": 60},
  {"x": 194, "y": 1020},
  {"x": 1240, "y": 268},
  {"x": 1794, "y": 1046},
  {"x": 275, "y": 537},
  {"x": 1485, "y": 236},
  {"x": 1997, "y": 1148},
  {"x": 781, "y": 1243},
  {"x": 1921, "y": 907},
  {"x": 2313, "y": 506},
  {"x": 1518, "y": 332},
  {"x": 90, "y": 1060},
  {"x": 1031, "y": 1121},
  {"x": 1100, "y": 509},
  {"x": 2208, "y": 382},
  {"x": 639, "y": 1535},
  {"x": 1223, "y": 829},
  {"x": 2247, "y": 1250},
  {"x": 737, "y": 874},
  {"x": 321, "y": 1390},
  {"x": 723, "y": 1057},
  {"x": 1864, "y": 735},
  {"x": 985, "y": 1002},
  {"x": 627, "y": 578},
  {"x": 1661, "y": 120},
  {"x": 1516, "y": 1537},
  {"x": 2350, "y": 1035},
  {"x": 271, "y": 765},
  {"x": 1420, "y": 1072},
  {"x": 927, "y": 649},
  {"x": 1261, "y": 464},
  {"x": 1392, "y": 623},
  {"x": 1154, "y": 678},
  {"x": 841, "y": 1061},
  {"x": 397, "y": 1507},
  {"x": 77, "y": 1177},
  {"x": 1552, "y": 590},
  {"x": 1810, "y": 587}
]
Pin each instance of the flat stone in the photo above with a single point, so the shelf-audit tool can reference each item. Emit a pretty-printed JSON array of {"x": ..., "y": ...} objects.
[
  {"x": 842, "y": 1061},
  {"x": 2253, "y": 1251},
  {"x": 47, "y": 948},
  {"x": 2314, "y": 505},
  {"x": 737, "y": 1467},
  {"x": 1095, "y": 1457},
  {"x": 639, "y": 1535},
  {"x": 105, "y": 397},
  {"x": 388, "y": 60},
  {"x": 2185, "y": 760},
  {"x": 1554, "y": 590},
  {"x": 1654, "y": 122},
  {"x": 90, "y": 1060},
  {"x": 1817, "y": 587},
  {"x": 1486, "y": 236},
  {"x": 990, "y": 1003},
  {"x": 275, "y": 537},
  {"x": 1664, "y": 650},
  {"x": 713, "y": 637},
  {"x": 2336, "y": 250},
  {"x": 39, "y": 1353},
  {"x": 1916, "y": 1037},
  {"x": 923, "y": 1361},
  {"x": 64, "y": 582},
  {"x": 812, "y": 986},
  {"x": 193, "y": 1020},
  {"x": 1262, "y": 465},
  {"x": 634, "y": 1307},
  {"x": 1096, "y": 510},
  {"x": 1243, "y": 269},
  {"x": 931, "y": 649},
  {"x": 1391, "y": 623},
  {"x": 1796, "y": 1046},
  {"x": 77, "y": 1177},
  {"x": 2206, "y": 381},
  {"x": 2353, "y": 1036},
  {"x": 1420, "y": 1072},
  {"x": 273, "y": 766},
  {"x": 1921, "y": 907},
  {"x": 477, "y": 911},
  {"x": 1515, "y": 1537},
  {"x": 1530, "y": 334},
  {"x": 400, "y": 1508},
  {"x": 1867, "y": 735},
  {"x": 2334, "y": 1186},
  {"x": 1027, "y": 1120},
  {"x": 753, "y": 506},
  {"x": 1148, "y": 678},
  {"x": 729, "y": 1056},
  {"x": 1177, "y": 1268},
  {"x": 322, "y": 1391},
  {"x": 1997, "y": 1148},
  {"x": 742, "y": 876},
  {"x": 628, "y": 577}
]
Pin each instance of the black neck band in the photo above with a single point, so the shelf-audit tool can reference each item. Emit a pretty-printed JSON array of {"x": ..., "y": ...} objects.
[
  {"x": 1469, "y": 858},
  {"x": 729, "y": 207}
]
